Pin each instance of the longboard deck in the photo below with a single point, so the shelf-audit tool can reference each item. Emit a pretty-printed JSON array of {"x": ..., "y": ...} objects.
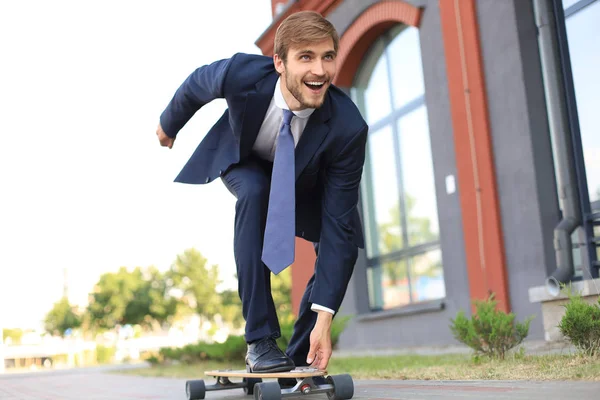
[{"x": 295, "y": 373}]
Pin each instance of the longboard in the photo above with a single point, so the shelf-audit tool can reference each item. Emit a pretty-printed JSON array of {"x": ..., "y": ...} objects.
[{"x": 337, "y": 387}]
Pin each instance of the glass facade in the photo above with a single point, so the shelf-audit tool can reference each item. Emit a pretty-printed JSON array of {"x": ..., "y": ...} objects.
[
  {"x": 583, "y": 32},
  {"x": 404, "y": 260}
]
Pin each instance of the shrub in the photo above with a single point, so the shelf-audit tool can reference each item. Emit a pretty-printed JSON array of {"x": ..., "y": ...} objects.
[
  {"x": 233, "y": 349},
  {"x": 581, "y": 324},
  {"x": 489, "y": 332},
  {"x": 153, "y": 360},
  {"x": 104, "y": 354}
]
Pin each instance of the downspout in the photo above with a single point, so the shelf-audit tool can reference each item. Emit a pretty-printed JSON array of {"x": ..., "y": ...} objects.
[{"x": 563, "y": 149}]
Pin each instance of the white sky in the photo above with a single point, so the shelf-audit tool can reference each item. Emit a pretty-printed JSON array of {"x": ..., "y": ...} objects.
[{"x": 85, "y": 185}]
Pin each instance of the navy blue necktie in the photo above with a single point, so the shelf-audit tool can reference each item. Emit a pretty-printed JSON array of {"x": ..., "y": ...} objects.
[{"x": 280, "y": 232}]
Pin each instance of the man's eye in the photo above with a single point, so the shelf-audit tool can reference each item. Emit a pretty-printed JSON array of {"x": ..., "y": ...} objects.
[
  {"x": 329, "y": 57},
  {"x": 305, "y": 57}
]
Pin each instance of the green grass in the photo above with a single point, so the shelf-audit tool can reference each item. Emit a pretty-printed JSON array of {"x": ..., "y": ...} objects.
[{"x": 443, "y": 367}]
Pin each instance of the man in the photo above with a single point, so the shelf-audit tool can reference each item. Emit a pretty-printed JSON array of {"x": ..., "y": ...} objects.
[{"x": 291, "y": 148}]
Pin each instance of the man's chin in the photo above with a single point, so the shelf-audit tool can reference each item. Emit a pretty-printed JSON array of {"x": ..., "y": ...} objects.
[{"x": 313, "y": 103}]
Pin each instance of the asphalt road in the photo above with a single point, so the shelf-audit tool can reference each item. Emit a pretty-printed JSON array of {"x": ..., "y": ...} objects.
[{"x": 103, "y": 384}]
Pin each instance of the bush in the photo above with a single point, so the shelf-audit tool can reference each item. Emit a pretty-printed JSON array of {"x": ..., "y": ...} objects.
[
  {"x": 233, "y": 349},
  {"x": 104, "y": 354},
  {"x": 489, "y": 332},
  {"x": 153, "y": 360},
  {"x": 581, "y": 325}
]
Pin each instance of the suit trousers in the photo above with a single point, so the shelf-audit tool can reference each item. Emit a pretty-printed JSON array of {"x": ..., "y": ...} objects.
[{"x": 249, "y": 182}]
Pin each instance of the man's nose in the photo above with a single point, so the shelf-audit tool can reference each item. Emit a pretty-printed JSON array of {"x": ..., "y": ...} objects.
[{"x": 318, "y": 68}]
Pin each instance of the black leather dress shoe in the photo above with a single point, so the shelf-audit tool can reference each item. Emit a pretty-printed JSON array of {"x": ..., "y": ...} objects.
[{"x": 264, "y": 356}]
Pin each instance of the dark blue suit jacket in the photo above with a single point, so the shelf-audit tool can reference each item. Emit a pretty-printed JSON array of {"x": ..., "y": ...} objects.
[{"x": 329, "y": 158}]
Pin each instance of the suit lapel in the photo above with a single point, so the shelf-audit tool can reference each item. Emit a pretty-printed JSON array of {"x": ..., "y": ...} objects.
[
  {"x": 257, "y": 104},
  {"x": 315, "y": 132}
]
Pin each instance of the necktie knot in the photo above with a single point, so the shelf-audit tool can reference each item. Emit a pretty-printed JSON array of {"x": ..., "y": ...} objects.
[{"x": 287, "y": 116}]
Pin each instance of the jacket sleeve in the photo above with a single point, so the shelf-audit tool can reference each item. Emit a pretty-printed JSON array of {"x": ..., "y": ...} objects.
[
  {"x": 201, "y": 87},
  {"x": 337, "y": 249}
]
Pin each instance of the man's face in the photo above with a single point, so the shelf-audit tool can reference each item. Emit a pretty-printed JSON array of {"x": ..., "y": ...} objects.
[{"x": 307, "y": 74}]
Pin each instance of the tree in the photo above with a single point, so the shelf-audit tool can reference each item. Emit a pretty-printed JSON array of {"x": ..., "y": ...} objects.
[
  {"x": 196, "y": 283},
  {"x": 231, "y": 308},
  {"x": 111, "y": 296},
  {"x": 281, "y": 289},
  {"x": 136, "y": 297},
  {"x": 161, "y": 305},
  {"x": 61, "y": 318},
  {"x": 12, "y": 335},
  {"x": 150, "y": 303}
]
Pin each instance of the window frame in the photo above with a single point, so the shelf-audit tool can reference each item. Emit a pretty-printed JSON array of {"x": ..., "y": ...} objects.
[{"x": 381, "y": 48}]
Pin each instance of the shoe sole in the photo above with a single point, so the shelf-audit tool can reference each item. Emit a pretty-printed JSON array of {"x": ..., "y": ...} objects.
[{"x": 270, "y": 371}]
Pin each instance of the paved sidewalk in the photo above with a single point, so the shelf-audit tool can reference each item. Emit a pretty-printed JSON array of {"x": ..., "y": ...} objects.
[{"x": 101, "y": 384}]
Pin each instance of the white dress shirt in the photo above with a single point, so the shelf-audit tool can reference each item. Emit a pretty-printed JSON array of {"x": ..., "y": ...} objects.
[{"x": 266, "y": 141}]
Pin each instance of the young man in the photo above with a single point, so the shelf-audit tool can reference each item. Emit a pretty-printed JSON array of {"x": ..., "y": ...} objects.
[{"x": 291, "y": 148}]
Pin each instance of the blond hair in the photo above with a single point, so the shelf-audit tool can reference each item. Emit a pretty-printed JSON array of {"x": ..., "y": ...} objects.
[{"x": 301, "y": 28}]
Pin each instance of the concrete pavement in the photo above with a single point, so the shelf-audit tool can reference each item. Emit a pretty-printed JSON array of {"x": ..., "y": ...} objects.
[{"x": 102, "y": 384}]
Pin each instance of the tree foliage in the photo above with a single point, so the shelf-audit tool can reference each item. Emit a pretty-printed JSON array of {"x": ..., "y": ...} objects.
[
  {"x": 131, "y": 297},
  {"x": 281, "y": 289},
  {"x": 196, "y": 283},
  {"x": 61, "y": 318},
  {"x": 231, "y": 308},
  {"x": 14, "y": 335}
]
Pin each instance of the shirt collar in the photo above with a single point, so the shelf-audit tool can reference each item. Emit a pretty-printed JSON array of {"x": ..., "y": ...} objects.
[{"x": 280, "y": 102}]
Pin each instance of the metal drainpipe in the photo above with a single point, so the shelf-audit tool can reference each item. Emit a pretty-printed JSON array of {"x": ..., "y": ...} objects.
[{"x": 563, "y": 150}]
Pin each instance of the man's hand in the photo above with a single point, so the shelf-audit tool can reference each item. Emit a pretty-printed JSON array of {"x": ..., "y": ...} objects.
[
  {"x": 320, "y": 341},
  {"x": 164, "y": 140}
]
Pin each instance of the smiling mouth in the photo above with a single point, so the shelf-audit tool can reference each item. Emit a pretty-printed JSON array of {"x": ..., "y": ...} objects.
[{"x": 315, "y": 86}]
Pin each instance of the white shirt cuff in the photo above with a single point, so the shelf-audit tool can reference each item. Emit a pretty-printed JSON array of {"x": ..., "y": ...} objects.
[{"x": 316, "y": 307}]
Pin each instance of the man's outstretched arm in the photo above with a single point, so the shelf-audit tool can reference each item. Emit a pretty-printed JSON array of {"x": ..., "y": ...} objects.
[
  {"x": 200, "y": 87},
  {"x": 337, "y": 249}
]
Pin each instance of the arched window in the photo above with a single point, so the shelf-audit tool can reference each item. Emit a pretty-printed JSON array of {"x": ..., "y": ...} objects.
[{"x": 404, "y": 260}]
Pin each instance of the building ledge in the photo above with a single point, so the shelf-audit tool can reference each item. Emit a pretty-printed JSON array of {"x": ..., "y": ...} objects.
[
  {"x": 411, "y": 309},
  {"x": 553, "y": 307},
  {"x": 588, "y": 287}
]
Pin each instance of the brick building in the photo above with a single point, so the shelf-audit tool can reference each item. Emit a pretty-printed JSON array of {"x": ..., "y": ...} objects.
[{"x": 483, "y": 165}]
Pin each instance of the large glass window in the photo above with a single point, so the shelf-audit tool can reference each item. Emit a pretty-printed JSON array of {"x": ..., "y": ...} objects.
[
  {"x": 583, "y": 32},
  {"x": 399, "y": 204}
]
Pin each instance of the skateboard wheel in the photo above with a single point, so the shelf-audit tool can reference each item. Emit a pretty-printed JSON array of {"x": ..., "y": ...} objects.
[
  {"x": 195, "y": 390},
  {"x": 267, "y": 391},
  {"x": 343, "y": 387},
  {"x": 250, "y": 382}
]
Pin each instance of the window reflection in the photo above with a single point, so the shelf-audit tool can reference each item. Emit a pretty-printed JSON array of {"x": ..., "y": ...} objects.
[
  {"x": 427, "y": 277},
  {"x": 405, "y": 56},
  {"x": 569, "y": 3},
  {"x": 389, "y": 285},
  {"x": 375, "y": 91},
  {"x": 417, "y": 169},
  {"x": 385, "y": 189},
  {"x": 583, "y": 32}
]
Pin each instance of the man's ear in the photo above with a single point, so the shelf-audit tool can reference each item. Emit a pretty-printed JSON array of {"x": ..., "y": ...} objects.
[{"x": 279, "y": 64}]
